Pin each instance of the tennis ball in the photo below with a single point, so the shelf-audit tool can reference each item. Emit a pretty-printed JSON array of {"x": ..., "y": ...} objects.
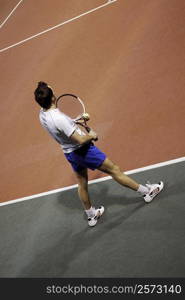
[{"x": 86, "y": 116}]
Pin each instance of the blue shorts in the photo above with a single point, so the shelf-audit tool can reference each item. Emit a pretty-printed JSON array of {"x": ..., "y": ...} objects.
[{"x": 88, "y": 156}]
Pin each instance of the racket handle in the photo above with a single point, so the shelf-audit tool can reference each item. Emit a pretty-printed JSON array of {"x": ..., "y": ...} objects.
[{"x": 87, "y": 128}]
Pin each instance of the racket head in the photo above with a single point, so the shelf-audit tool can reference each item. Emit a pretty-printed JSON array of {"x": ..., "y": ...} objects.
[{"x": 71, "y": 105}]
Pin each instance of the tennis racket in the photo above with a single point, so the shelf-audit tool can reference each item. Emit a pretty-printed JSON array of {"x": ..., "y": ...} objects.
[{"x": 73, "y": 106}]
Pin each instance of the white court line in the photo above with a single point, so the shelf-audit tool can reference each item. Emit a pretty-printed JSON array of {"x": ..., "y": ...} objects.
[
  {"x": 1, "y": 25},
  {"x": 59, "y": 25},
  {"x": 150, "y": 167}
]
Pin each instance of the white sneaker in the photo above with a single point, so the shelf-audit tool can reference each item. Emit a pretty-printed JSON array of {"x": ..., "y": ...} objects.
[
  {"x": 154, "y": 190},
  {"x": 98, "y": 213}
]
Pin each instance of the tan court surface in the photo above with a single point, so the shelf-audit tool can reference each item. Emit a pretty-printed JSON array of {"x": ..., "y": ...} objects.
[{"x": 127, "y": 62}]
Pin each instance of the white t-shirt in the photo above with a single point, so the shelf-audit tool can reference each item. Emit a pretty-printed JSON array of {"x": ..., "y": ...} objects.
[{"x": 60, "y": 127}]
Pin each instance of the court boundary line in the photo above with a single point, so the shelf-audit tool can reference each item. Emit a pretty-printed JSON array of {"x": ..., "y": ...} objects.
[
  {"x": 71, "y": 187},
  {"x": 11, "y": 13},
  {"x": 56, "y": 26}
]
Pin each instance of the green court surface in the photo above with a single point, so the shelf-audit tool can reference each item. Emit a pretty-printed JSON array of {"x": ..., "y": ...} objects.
[{"x": 49, "y": 236}]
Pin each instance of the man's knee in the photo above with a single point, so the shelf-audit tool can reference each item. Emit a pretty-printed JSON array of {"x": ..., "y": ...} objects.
[
  {"x": 82, "y": 178},
  {"x": 82, "y": 183},
  {"x": 115, "y": 170}
]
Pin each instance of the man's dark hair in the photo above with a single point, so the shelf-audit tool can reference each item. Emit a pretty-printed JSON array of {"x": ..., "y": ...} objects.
[{"x": 43, "y": 95}]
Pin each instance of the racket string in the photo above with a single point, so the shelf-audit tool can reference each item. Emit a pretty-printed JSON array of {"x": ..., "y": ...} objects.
[{"x": 71, "y": 106}]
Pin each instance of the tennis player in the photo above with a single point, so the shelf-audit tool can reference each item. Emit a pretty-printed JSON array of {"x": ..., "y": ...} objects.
[{"x": 82, "y": 154}]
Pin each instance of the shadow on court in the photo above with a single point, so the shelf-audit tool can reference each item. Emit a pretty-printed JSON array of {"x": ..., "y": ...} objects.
[{"x": 49, "y": 236}]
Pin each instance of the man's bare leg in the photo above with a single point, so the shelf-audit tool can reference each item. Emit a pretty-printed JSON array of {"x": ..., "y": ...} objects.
[
  {"x": 110, "y": 168},
  {"x": 82, "y": 177},
  {"x": 92, "y": 213}
]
